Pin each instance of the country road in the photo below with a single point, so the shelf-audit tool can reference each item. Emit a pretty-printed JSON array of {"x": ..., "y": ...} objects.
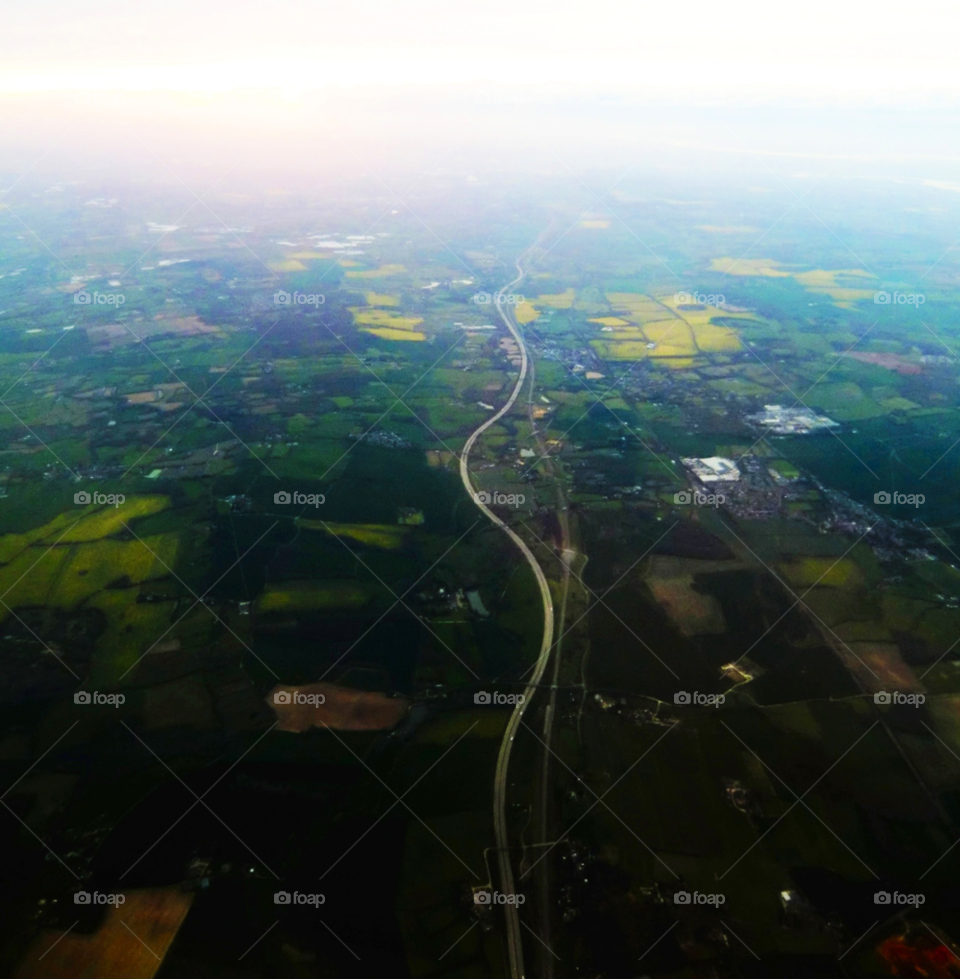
[{"x": 514, "y": 937}]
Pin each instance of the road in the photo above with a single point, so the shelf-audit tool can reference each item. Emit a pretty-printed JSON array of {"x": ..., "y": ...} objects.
[
  {"x": 543, "y": 820},
  {"x": 507, "y": 884}
]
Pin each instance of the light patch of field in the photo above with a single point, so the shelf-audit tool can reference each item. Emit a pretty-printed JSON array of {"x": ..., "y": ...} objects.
[
  {"x": 438, "y": 458},
  {"x": 287, "y": 265},
  {"x": 679, "y": 333},
  {"x": 827, "y": 278},
  {"x": 557, "y": 300},
  {"x": 525, "y": 313},
  {"x": 638, "y": 307},
  {"x": 715, "y": 339},
  {"x": 766, "y": 267},
  {"x": 844, "y": 401},
  {"x": 380, "y": 273},
  {"x": 897, "y": 403},
  {"x": 826, "y": 282},
  {"x": 672, "y": 339},
  {"x": 833, "y": 283},
  {"x": 675, "y": 331},
  {"x": 610, "y": 321},
  {"x": 94, "y": 566},
  {"x": 781, "y": 466},
  {"x": 710, "y": 337},
  {"x": 892, "y": 362},
  {"x": 387, "y": 325},
  {"x": 620, "y": 350},
  {"x": 825, "y": 572},
  {"x": 28, "y": 578},
  {"x": 879, "y": 666},
  {"x": 88, "y": 524},
  {"x": 387, "y": 536},
  {"x": 132, "y": 628},
  {"x": 110, "y": 520},
  {"x": 845, "y": 298},
  {"x": 696, "y": 316},
  {"x": 112, "y": 335},
  {"x": 388, "y": 334},
  {"x": 672, "y": 357},
  {"x": 132, "y": 942},
  {"x": 669, "y": 350},
  {"x": 343, "y": 709},
  {"x": 307, "y": 256},
  {"x": 595, "y": 223},
  {"x": 383, "y": 317},
  {"x": 691, "y": 612},
  {"x": 381, "y": 299},
  {"x": 306, "y": 596}
]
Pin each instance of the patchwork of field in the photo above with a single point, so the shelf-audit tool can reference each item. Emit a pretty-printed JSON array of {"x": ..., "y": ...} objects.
[
  {"x": 843, "y": 286},
  {"x": 658, "y": 327},
  {"x": 386, "y": 325},
  {"x": 67, "y": 561}
]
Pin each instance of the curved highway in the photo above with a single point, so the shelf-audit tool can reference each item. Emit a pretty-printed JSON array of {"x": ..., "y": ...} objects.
[{"x": 514, "y": 938}]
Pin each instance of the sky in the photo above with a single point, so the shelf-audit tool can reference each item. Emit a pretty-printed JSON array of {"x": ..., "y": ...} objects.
[
  {"x": 301, "y": 84},
  {"x": 758, "y": 48}
]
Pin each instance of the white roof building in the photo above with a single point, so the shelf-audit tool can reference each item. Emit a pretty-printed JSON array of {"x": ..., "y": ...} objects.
[{"x": 714, "y": 469}]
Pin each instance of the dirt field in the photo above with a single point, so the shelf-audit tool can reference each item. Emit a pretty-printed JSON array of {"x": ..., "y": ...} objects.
[
  {"x": 892, "y": 362},
  {"x": 343, "y": 709}
]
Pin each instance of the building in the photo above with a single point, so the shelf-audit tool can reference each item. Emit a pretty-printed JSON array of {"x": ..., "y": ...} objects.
[
  {"x": 714, "y": 469},
  {"x": 791, "y": 421}
]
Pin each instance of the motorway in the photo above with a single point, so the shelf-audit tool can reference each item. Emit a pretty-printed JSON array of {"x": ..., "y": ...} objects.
[{"x": 507, "y": 884}]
